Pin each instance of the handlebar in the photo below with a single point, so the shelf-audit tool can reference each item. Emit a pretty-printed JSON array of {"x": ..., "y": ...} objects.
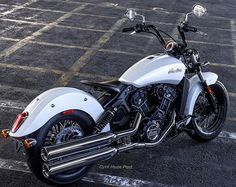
[
  {"x": 128, "y": 29},
  {"x": 182, "y": 28},
  {"x": 187, "y": 28},
  {"x": 146, "y": 28},
  {"x": 137, "y": 28}
]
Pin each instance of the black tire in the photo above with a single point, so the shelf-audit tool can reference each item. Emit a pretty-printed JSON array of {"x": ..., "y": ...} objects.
[
  {"x": 34, "y": 160},
  {"x": 215, "y": 128}
]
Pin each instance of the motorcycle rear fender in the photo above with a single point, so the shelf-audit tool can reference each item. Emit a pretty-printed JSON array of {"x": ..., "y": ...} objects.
[
  {"x": 53, "y": 102},
  {"x": 195, "y": 88}
]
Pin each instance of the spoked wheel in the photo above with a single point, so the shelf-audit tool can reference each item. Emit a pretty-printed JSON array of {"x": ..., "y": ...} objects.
[
  {"x": 206, "y": 123},
  {"x": 61, "y": 128}
]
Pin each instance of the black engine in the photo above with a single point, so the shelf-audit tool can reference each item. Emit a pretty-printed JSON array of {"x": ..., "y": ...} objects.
[{"x": 154, "y": 104}]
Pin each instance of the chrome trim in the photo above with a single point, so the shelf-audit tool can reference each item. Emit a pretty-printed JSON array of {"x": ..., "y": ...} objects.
[
  {"x": 86, "y": 159},
  {"x": 49, "y": 153},
  {"x": 99, "y": 154}
]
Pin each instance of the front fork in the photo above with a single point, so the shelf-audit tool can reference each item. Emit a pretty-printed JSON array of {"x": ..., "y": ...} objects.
[{"x": 208, "y": 91}]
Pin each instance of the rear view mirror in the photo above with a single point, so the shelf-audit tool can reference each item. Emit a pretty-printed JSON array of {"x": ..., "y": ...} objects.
[
  {"x": 130, "y": 13},
  {"x": 198, "y": 10}
]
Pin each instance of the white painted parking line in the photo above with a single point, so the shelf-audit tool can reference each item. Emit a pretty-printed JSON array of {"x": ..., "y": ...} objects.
[
  {"x": 17, "y": 7},
  {"x": 14, "y": 165},
  {"x": 233, "y": 32},
  {"x": 25, "y": 41},
  {"x": 7, "y": 104},
  {"x": 33, "y": 69},
  {"x": 91, "y": 177},
  {"x": 118, "y": 181},
  {"x": 229, "y": 135}
]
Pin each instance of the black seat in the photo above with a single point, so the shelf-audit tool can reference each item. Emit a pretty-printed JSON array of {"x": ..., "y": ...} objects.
[{"x": 113, "y": 85}]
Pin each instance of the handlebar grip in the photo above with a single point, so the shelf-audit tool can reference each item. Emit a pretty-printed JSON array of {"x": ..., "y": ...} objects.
[
  {"x": 192, "y": 29},
  {"x": 128, "y": 29}
]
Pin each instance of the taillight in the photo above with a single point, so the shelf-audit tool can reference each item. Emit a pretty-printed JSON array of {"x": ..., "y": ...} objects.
[
  {"x": 18, "y": 121},
  {"x": 67, "y": 112}
]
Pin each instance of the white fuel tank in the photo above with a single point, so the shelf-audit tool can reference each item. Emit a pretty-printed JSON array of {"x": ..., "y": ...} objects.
[{"x": 154, "y": 69}]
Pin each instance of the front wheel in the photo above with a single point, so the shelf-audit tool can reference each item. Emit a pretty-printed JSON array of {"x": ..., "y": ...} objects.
[
  {"x": 206, "y": 124},
  {"x": 61, "y": 128}
]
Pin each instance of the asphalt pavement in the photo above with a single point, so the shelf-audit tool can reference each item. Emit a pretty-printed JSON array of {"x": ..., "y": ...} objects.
[{"x": 50, "y": 43}]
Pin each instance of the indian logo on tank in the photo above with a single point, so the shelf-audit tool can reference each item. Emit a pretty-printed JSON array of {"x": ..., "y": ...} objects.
[{"x": 174, "y": 70}]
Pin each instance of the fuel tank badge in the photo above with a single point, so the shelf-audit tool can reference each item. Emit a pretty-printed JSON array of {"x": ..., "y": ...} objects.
[{"x": 174, "y": 70}]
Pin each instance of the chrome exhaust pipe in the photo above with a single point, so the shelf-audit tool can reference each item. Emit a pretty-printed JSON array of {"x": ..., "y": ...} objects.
[
  {"x": 88, "y": 158},
  {"x": 88, "y": 143},
  {"x": 148, "y": 144},
  {"x": 152, "y": 144},
  {"x": 83, "y": 159},
  {"x": 60, "y": 166},
  {"x": 64, "y": 149}
]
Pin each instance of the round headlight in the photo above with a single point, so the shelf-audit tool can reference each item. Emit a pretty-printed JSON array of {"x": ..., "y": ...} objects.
[{"x": 170, "y": 45}]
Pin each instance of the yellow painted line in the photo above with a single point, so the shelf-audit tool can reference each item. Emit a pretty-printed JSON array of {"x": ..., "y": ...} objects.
[
  {"x": 65, "y": 79},
  {"x": 28, "y": 68},
  {"x": 26, "y": 40},
  {"x": 222, "y": 65}
]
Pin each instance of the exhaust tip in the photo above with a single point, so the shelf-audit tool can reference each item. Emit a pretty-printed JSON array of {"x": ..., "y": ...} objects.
[
  {"x": 45, "y": 170},
  {"x": 44, "y": 154}
]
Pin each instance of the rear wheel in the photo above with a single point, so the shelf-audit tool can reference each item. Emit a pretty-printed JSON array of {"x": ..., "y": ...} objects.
[
  {"x": 61, "y": 128},
  {"x": 206, "y": 124}
]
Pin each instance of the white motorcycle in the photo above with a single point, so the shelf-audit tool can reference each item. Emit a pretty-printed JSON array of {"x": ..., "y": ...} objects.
[{"x": 66, "y": 130}]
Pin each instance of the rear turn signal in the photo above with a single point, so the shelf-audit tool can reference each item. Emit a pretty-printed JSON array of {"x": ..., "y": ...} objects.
[
  {"x": 30, "y": 142},
  {"x": 5, "y": 133},
  {"x": 18, "y": 121}
]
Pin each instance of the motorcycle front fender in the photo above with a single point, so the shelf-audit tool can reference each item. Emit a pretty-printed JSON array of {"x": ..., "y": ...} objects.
[
  {"x": 53, "y": 102},
  {"x": 195, "y": 88}
]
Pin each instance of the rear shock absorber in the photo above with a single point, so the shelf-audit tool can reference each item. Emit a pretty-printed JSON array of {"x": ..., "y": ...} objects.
[{"x": 105, "y": 118}]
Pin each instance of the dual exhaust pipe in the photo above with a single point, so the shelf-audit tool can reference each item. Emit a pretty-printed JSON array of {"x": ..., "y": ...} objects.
[
  {"x": 85, "y": 151},
  {"x": 66, "y": 164}
]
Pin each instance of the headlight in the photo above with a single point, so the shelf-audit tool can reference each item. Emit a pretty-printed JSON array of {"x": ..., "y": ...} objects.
[{"x": 170, "y": 45}]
